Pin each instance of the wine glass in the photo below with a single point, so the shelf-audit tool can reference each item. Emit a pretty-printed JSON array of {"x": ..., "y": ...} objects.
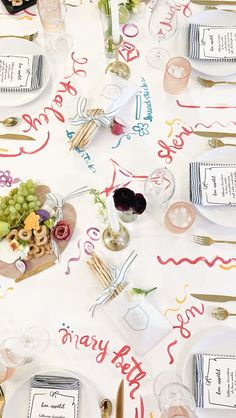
[
  {"x": 52, "y": 15},
  {"x": 158, "y": 189},
  {"x": 21, "y": 348},
  {"x": 174, "y": 399},
  {"x": 162, "y": 26}
]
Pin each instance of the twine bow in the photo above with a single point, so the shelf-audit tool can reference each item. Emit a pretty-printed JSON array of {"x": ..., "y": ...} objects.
[
  {"x": 118, "y": 274},
  {"x": 82, "y": 116},
  {"x": 58, "y": 202}
]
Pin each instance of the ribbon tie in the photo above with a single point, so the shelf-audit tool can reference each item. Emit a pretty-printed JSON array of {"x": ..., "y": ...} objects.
[
  {"x": 117, "y": 274},
  {"x": 82, "y": 116}
]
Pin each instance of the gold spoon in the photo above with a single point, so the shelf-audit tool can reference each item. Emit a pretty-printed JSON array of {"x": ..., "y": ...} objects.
[
  {"x": 106, "y": 408},
  {"x": 11, "y": 121},
  {"x": 215, "y": 143},
  {"x": 211, "y": 83},
  {"x": 221, "y": 314}
]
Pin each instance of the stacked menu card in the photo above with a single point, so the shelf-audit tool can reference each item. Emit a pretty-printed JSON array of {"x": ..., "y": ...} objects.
[
  {"x": 20, "y": 73},
  {"x": 54, "y": 396},
  {"x": 213, "y": 184},
  {"x": 215, "y": 381},
  {"x": 214, "y": 43}
]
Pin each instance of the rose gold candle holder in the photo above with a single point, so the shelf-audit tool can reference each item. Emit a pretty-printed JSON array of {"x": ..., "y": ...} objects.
[
  {"x": 119, "y": 68},
  {"x": 115, "y": 241}
]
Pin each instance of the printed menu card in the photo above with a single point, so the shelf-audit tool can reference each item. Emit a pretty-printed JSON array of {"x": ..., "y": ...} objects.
[
  {"x": 213, "y": 184},
  {"x": 54, "y": 397},
  {"x": 215, "y": 381},
  {"x": 20, "y": 73},
  {"x": 217, "y": 43}
]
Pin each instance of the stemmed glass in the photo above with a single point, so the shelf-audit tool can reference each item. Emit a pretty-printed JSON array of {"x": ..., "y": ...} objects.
[
  {"x": 52, "y": 15},
  {"x": 159, "y": 187},
  {"x": 174, "y": 399},
  {"x": 21, "y": 348},
  {"x": 162, "y": 26}
]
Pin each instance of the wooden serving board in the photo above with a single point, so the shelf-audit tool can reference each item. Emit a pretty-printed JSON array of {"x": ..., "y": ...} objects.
[{"x": 35, "y": 265}]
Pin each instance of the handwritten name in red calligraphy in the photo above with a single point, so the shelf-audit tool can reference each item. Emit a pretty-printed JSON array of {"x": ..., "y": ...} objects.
[
  {"x": 187, "y": 12},
  {"x": 34, "y": 123},
  {"x": 177, "y": 144},
  {"x": 132, "y": 370},
  {"x": 183, "y": 330},
  {"x": 86, "y": 341}
]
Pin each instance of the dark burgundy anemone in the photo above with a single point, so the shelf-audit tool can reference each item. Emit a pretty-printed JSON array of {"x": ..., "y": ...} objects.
[
  {"x": 139, "y": 204},
  {"x": 123, "y": 199}
]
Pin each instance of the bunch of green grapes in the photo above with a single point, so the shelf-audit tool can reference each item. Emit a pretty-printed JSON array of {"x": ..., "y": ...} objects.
[{"x": 17, "y": 205}]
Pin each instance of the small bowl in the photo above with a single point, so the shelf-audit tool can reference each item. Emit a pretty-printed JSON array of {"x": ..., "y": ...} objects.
[{"x": 179, "y": 217}]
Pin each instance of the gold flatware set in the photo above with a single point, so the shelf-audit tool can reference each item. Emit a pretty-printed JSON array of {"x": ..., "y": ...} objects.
[
  {"x": 202, "y": 240},
  {"x": 213, "y": 134},
  {"x": 106, "y": 405},
  {"x": 218, "y": 313},
  {"x": 17, "y": 137},
  {"x": 30, "y": 37},
  {"x": 2, "y": 401},
  {"x": 210, "y": 83},
  {"x": 214, "y": 2},
  {"x": 216, "y": 143}
]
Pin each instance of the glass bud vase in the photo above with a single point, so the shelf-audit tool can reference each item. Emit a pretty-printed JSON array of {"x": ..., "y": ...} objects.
[
  {"x": 127, "y": 215},
  {"x": 107, "y": 32}
]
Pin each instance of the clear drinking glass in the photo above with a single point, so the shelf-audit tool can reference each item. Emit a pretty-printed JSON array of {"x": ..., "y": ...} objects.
[
  {"x": 162, "y": 26},
  {"x": 159, "y": 188},
  {"x": 52, "y": 15},
  {"x": 177, "y": 73},
  {"x": 174, "y": 399},
  {"x": 21, "y": 348}
]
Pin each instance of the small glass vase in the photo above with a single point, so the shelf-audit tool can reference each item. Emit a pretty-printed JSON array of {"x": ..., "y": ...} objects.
[
  {"x": 127, "y": 215},
  {"x": 107, "y": 33}
]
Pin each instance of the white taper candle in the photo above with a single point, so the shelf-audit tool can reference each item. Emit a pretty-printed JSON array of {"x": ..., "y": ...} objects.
[
  {"x": 112, "y": 215},
  {"x": 115, "y": 21}
]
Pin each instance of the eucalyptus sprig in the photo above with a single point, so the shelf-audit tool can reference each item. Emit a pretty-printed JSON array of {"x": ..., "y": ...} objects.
[{"x": 98, "y": 200}]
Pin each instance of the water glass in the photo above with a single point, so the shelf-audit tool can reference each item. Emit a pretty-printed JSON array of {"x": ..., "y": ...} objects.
[
  {"x": 179, "y": 217},
  {"x": 52, "y": 15},
  {"x": 21, "y": 348},
  {"x": 176, "y": 75},
  {"x": 159, "y": 188},
  {"x": 174, "y": 399}
]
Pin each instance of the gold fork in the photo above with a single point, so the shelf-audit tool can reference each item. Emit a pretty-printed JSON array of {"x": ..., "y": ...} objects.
[
  {"x": 30, "y": 37},
  {"x": 211, "y": 83},
  {"x": 216, "y": 8},
  {"x": 2, "y": 401},
  {"x": 198, "y": 239}
]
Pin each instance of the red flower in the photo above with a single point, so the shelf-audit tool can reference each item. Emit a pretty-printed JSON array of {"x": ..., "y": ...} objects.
[
  {"x": 61, "y": 231},
  {"x": 117, "y": 128}
]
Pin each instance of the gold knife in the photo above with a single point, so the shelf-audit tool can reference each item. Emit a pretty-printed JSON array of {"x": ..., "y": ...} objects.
[
  {"x": 210, "y": 134},
  {"x": 214, "y": 298},
  {"x": 214, "y": 2},
  {"x": 120, "y": 400},
  {"x": 17, "y": 136}
]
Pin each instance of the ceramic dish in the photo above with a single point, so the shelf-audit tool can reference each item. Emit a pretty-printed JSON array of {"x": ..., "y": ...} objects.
[
  {"x": 88, "y": 402},
  {"x": 21, "y": 46}
]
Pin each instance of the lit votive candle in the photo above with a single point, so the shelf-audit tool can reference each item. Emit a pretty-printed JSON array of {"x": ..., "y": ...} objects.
[
  {"x": 176, "y": 75},
  {"x": 179, "y": 217}
]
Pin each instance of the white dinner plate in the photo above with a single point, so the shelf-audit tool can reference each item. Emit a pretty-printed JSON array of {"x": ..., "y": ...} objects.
[
  {"x": 209, "y": 17},
  {"x": 221, "y": 215},
  {"x": 217, "y": 339},
  {"x": 18, "y": 404},
  {"x": 20, "y": 47}
]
